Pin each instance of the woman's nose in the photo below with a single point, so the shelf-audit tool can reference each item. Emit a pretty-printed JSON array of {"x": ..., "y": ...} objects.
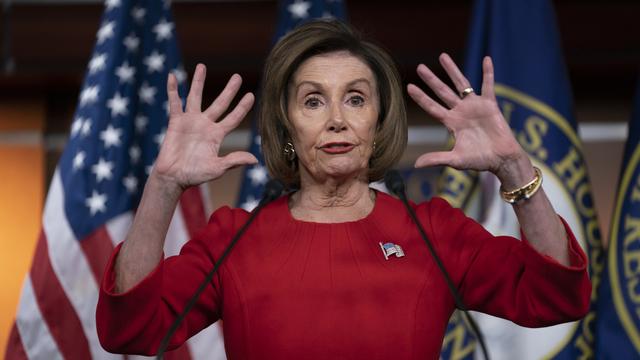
[{"x": 336, "y": 120}]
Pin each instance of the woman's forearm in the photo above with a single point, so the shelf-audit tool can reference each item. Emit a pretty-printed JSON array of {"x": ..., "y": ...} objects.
[
  {"x": 143, "y": 246},
  {"x": 538, "y": 220}
]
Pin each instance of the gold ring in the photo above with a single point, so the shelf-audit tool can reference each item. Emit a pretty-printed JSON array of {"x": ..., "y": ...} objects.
[{"x": 466, "y": 92}]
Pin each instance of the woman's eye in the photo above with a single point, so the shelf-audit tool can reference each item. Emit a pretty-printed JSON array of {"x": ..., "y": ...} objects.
[
  {"x": 356, "y": 100},
  {"x": 312, "y": 102}
]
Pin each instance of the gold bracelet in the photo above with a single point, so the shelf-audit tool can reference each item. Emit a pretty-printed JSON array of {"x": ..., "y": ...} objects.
[{"x": 525, "y": 192}]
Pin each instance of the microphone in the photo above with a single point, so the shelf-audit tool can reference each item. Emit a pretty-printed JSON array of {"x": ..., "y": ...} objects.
[
  {"x": 393, "y": 181},
  {"x": 272, "y": 191}
]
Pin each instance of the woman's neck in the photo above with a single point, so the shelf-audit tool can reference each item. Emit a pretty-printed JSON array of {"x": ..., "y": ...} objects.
[{"x": 332, "y": 201}]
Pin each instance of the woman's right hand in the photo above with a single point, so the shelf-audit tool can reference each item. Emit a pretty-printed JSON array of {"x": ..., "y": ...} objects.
[{"x": 189, "y": 154}]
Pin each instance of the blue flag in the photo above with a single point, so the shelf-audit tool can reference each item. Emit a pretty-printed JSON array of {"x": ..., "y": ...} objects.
[
  {"x": 618, "y": 322},
  {"x": 533, "y": 92},
  {"x": 291, "y": 13}
]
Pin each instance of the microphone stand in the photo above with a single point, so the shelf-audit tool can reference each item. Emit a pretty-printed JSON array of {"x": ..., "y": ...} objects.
[
  {"x": 272, "y": 191},
  {"x": 395, "y": 184}
]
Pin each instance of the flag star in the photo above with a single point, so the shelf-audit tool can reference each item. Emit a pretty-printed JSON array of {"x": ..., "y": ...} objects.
[
  {"x": 327, "y": 15},
  {"x": 154, "y": 62},
  {"x": 110, "y": 4},
  {"x": 97, "y": 63},
  {"x": 135, "y": 153},
  {"x": 131, "y": 183},
  {"x": 159, "y": 138},
  {"x": 96, "y": 203},
  {"x": 180, "y": 74},
  {"x": 76, "y": 126},
  {"x": 250, "y": 204},
  {"x": 106, "y": 31},
  {"x": 257, "y": 140},
  {"x": 131, "y": 42},
  {"x": 111, "y": 136},
  {"x": 138, "y": 13},
  {"x": 163, "y": 30},
  {"x": 78, "y": 160},
  {"x": 148, "y": 169},
  {"x": 125, "y": 72},
  {"x": 102, "y": 170},
  {"x": 118, "y": 105},
  {"x": 258, "y": 175},
  {"x": 86, "y": 127},
  {"x": 89, "y": 95},
  {"x": 299, "y": 9},
  {"x": 147, "y": 93},
  {"x": 141, "y": 123}
]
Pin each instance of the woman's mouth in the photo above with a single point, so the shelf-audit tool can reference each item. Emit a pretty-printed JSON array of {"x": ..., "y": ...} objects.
[{"x": 337, "y": 147}]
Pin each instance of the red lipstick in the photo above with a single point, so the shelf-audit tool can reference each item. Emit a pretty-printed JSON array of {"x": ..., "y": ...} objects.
[{"x": 337, "y": 147}]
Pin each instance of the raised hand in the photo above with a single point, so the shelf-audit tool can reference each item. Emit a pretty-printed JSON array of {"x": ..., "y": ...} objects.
[
  {"x": 483, "y": 139},
  {"x": 190, "y": 152}
]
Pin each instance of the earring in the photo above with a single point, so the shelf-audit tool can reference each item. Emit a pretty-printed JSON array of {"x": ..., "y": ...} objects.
[{"x": 289, "y": 151}]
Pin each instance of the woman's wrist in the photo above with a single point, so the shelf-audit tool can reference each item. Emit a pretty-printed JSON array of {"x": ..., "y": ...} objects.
[
  {"x": 164, "y": 187},
  {"x": 516, "y": 172}
]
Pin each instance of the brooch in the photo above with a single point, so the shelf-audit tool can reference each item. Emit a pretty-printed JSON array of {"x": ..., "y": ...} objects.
[{"x": 389, "y": 249}]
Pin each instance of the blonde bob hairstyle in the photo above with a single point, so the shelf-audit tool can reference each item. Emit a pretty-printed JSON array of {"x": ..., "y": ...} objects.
[{"x": 316, "y": 38}]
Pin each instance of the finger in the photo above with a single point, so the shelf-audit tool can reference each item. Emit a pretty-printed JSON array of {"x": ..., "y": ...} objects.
[
  {"x": 441, "y": 89},
  {"x": 434, "y": 159},
  {"x": 426, "y": 103},
  {"x": 221, "y": 103},
  {"x": 175, "y": 104},
  {"x": 488, "y": 78},
  {"x": 194, "y": 100},
  {"x": 456, "y": 76},
  {"x": 235, "y": 117},
  {"x": 238, "y": 158}
]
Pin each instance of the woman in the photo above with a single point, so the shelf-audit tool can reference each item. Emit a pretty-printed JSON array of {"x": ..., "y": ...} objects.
[{"x": 309, "y": 280}]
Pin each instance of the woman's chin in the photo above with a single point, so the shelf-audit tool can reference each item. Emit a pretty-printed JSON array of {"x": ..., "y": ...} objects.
[{"x": 344, "y": 170}]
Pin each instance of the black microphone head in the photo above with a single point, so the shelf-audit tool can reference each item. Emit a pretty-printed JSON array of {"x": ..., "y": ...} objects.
[
  {"x": 394, "y": 182},
  {"x": 272, "y": 190}
]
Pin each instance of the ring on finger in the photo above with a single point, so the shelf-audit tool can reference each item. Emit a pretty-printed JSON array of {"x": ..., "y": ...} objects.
[{"x": 466, "y": 92}]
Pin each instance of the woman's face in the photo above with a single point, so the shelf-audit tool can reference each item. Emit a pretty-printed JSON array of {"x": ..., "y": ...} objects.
[{"x": 333, "y": 106}]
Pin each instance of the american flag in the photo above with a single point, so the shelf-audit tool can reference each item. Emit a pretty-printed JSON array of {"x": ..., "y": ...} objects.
[
  {"x": 291, "y": 13},
  {"x": 115, "y": 136}
]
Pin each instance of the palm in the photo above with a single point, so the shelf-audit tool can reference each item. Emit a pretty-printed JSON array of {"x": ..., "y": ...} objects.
[
  {"x": 190, "y": 151},
  {"x": 483, "y": 140}
]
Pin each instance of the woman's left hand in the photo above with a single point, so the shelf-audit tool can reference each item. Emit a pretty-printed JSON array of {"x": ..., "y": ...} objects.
[{"x": 483, "y": 139}]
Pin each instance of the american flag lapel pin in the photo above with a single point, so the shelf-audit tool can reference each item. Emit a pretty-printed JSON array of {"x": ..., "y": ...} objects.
[{"x": 389, "y": 249}]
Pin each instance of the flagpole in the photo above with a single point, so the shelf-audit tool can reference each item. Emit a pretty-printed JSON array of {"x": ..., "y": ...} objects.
[{"x": 8, "y": 66}]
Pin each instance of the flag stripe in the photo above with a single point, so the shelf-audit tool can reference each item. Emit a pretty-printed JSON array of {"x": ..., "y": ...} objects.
[
  {"x": 118, "y": 227},
  {"x": 208, "y": 343},
  {"x": 207, "y": 205},
  {"x": 97, "y": 247},
  {"x": 192, "y": 208},
  {"x": 176, "y": 234},
  {"x": 60, "y": 316},
  {"x": 15, "y": 350},
  {"x": 71, "y": 266},
  {"x": 34, "y": 332}
]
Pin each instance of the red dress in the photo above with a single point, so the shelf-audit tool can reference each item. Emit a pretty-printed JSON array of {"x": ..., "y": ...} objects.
[{"x": 300, "y": 290}]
